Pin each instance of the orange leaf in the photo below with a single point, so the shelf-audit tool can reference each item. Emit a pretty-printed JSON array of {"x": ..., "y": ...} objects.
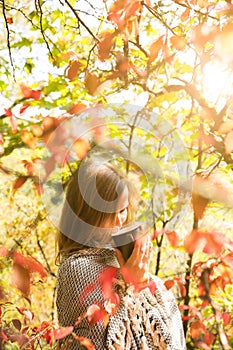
[
  {"x": 76, "y": 108},
  {"x": 37, "y": 130},
  {"x": 178, "y": 42},
  {"x": 185, "y": 15},
  {"x": 173, "y": 238},
  {"x": 23, "y": 108},
  {"x": 9, "y": 20},
  {"x": 226, "y": 127},
  {"x": 62, "y": 332},
  {"x": 193, "y": 241},
  {"x": 29, "y": 139},
  {"x": 4, "y": 252},
  {"x": 214, "y": 242},
  {"x": 155, "y": 48},
  {"x": 85, "y": 342},
  {"x": 29, "y": 93},
  {"x": 223, "y": 43},
  {"x": 72, "y": 70},
  {"x": 21, "y": 279},
  {"x": 105, "y": 45},
  {"x": 91, "y": 83},
  {"x": 81, "y": 147},
  {"x": 228, "y": 142},
  {"x": 96, "y": 313},
  {"x": 19, "y": 182},
  {"x": 169, "y": 284},
  {"x": 196, "y": 329},
  {"x": 199, "y": 205},
  {"x": 226, "y": 318}
]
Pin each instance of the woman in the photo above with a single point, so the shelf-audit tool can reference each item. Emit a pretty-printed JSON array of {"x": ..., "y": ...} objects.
[{"x": 114, "y": 303}]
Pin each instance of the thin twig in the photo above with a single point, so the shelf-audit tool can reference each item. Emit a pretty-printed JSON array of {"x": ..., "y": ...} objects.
[
  {"x": 79, "y": 20},
  {"x": 42, "y": 30},
  {"x": 8, "y": 38}
]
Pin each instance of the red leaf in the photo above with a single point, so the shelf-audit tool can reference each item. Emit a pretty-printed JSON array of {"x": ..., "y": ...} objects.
[
  {"x": 8, "y": 112},
  {"x": 21, "y": 279},
  {"x": 72, "y": 69},
  {"x": 214, "y": 242},
  {"x": 226, "y": 318},
  {"x": 19, "y": 182},
  {"x": 173, "y": 238},
  {"x": 62, "y": 332},
  {"x": 17, "y": 324},
  {"x": 9, "y": 20},
  {"x": 96, "y": 313},
  {"x": 85, "y": 342},
  {"x": 91, "y": 83},
  {"x": 29, "y": 166},
  {"x": 76, "y": 108},
  {"x": 169, "y": 284},
  {"x": 31, "y": 264},
  {"x": 23, "y": 108},
  {"x": 155, "y": 48},
  {"x": 29, "y": 93}
]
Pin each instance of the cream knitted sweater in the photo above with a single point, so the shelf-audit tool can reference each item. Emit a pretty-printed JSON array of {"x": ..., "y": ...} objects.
[{"x": 142, "y": 321}]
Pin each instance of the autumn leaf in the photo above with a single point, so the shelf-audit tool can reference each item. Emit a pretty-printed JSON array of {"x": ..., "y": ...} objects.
[
  {"x": 223, "y": 43},
  {"x": 96, "y": 313},
  {"x": 23, "y": 108},
  {"x": 29, "y": 139},
  {"x": 62, "y": 332},
  {"x": 36, "y": 130},
  {"x": 29, "y": 263},
  {"x": 193, "y": 241},
  {"x": 228, "y": 142},
  {"x": 29, "y": 93},
  {"x": 226, "y": 127},
  {"x": 9, "y": 20},
  {"x": 169, "y": 284},
  {"x": 21, "y": 279},
  {"x": 19, "y": 182},
  {"x": 91, "y": 83},
  {"x": 105, "y": 45},
  {"x": 178, "y": 42},
  {"x": 72, "y": 70},
  {"x": 173, "y": 238},
  {"x": 185, "y": 15},
  {"x": 13, "y": 120},
  {"x": 81, "y": 148},
  {"x": 4, "y": 252},
  {"x": 85, "y": 342},
  {"x": 76, "y": 108},
  {"x": 155, "y": 48},
  {"x": 199, "y": 205}
]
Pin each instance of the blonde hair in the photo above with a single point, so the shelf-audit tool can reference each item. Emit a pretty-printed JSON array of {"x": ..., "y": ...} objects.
[{"x": 98, "y": 180}]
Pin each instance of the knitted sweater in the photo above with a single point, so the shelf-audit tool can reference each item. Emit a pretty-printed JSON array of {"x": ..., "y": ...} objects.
[{"x": 142, "y": 321}]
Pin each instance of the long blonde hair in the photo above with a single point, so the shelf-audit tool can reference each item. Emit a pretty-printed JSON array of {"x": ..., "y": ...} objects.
[{"x": 98, "y": 179}]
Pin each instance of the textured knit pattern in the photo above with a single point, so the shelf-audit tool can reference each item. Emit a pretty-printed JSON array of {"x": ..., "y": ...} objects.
[{"x": 142, "y": 321}]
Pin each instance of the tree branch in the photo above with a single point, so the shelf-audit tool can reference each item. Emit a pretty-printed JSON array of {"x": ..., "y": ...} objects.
[
  {"x": 8, "y": 37},
  {"x": 79, "y": 20}
]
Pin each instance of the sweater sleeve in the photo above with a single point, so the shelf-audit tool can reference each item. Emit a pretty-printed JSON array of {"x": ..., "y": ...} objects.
[
  {"x": 77, "y": 289},
  {"x": 146, "y": 321}
]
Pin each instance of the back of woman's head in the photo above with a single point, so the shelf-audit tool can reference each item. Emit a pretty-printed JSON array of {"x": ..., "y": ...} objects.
[{"x": 92, "y": 198}]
